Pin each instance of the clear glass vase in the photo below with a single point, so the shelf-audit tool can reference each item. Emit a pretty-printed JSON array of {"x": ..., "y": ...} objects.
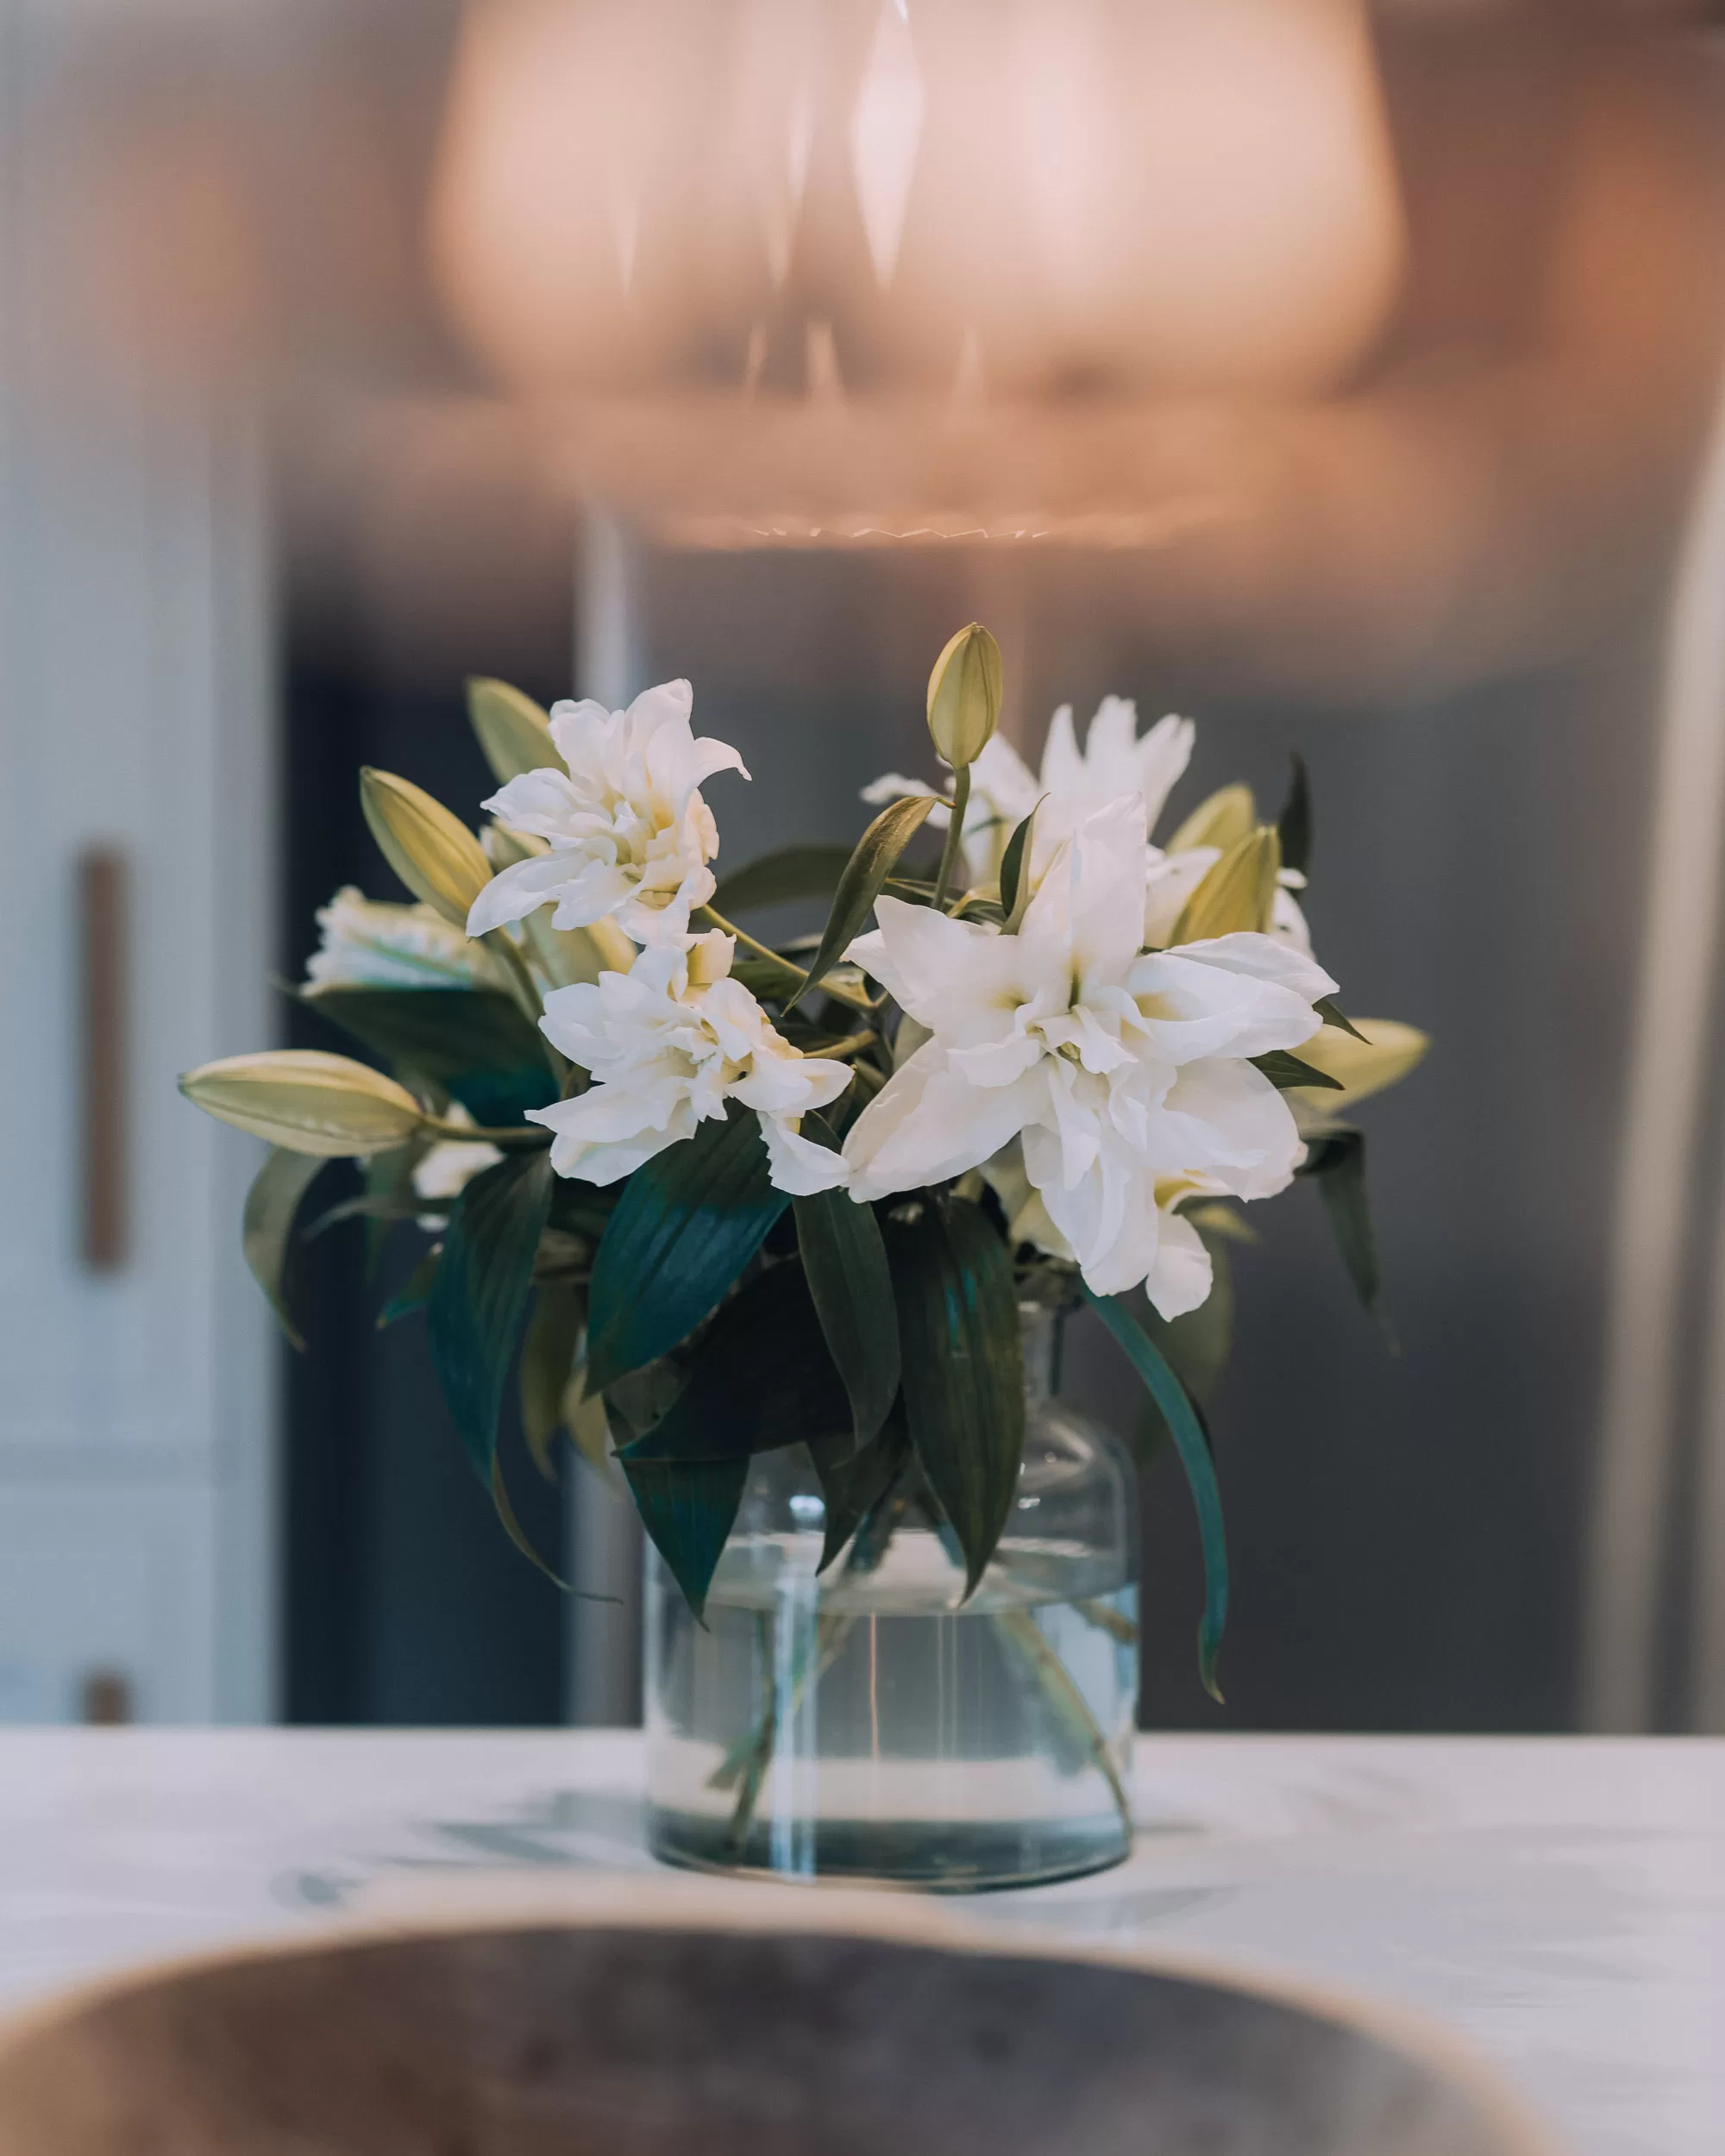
[{"x": 869, "y": 1723}]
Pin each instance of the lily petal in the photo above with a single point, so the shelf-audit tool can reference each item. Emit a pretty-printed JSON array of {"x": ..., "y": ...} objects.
[
  {"x": 1181, "y": 1277},
  {"x": 927, "y": 1124},
  {"x": 797, "y": 1163}
]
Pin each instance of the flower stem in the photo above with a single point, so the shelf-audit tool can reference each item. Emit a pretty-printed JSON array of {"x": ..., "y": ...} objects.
[
  {"x": 954, "y": 831},
  {"x": 518, "y": 1136},
  {"x": 836, "y": 1051},
  {"x": 1070, "y": 1705}
]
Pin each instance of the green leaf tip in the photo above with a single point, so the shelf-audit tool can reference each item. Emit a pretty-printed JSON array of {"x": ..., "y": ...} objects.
[
  {"x": 1293, "y": 826},
  {"x": 1015, "y": 871},
  {"x": 1332, "y": 1013},
  {"x": 1188, "y": 1433},
  {"x": 1286, "y": 1071},
  {"x": 1336, "y": 1162},
  {"x": 688, "y": 1509},
  {"x": 517, "y": 1533},
  {"x": 267, "y": 1228}
]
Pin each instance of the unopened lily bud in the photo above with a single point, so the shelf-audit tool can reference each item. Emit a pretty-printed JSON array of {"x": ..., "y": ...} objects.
[
  {"x": 1237, "y": 893},
  {"x": 1223, "y": 820},
  {"x": 514, "y": 732},
  {"x": 964, "y": 696},
  {"x": 306, "y": 1102},
  {"x": 433, "y": 852}
]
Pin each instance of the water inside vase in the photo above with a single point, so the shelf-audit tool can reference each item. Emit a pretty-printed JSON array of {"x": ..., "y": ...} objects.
[{"x": 867, "y": 1725}]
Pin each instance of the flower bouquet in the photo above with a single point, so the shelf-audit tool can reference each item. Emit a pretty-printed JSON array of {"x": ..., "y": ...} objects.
[{"x": 734, "y": 1210}]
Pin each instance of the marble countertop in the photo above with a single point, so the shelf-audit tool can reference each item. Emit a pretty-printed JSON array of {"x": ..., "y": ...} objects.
[{"x": 1559, "y": 1902}]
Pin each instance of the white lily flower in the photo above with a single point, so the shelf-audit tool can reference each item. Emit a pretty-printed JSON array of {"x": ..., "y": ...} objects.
[
  {"x": 1182, "y": 1274},
  {"x": 668, "y": 1044},
  {"x": 1074, "y": 784},
  {"x": 629, "y": 835},
  {"x": 447, "y": 1169},
  {"x": 368, "y": 944},
  {"x": 1123, "y": 1073},
  {"x": 1077, "y": 782}
]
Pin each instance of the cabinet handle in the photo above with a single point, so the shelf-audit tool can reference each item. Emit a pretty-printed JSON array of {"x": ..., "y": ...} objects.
[
  {"x": 106, "y": 1698},
  {"x": 102, "y": 893}
]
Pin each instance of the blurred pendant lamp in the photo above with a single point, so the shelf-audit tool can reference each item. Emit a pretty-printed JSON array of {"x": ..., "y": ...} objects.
[{"x": 791, "y": 269}]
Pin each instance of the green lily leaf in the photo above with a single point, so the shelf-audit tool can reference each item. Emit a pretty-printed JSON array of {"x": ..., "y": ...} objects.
[
  {"x": 547, "y": 1355},
  {"x": 588, "y": 1423},
  {"x": 688, "y": 1507},
  {"x": 963, "y": 1369},
  {"x": 416, "y": 1291},
  {"x": 513, "y": 1528},
  {"x": 852, "y": 1483},
  {"x": 1285, "y": 1071},
  {"x": 794, "y": 871},
  {"x": 1336, "y": 1162},
  {"x": 389, "y": 1185},
  {"x": 876, "y": 857},
  {"x": 633, "y": 1404},
  {"x": 1190, "y": 1441},
  {"x": 688, "y": 1222},
  {"x": 1014, "y": 864},
  {"x": 1332, "y": 1013},
  {"x": 1293, "y": 826},
  {"x": 578, "y": 1208},
  {"x": 763, "y": 1378},
  {"x": 266, "y": 1230},
  {"x": 845, "y": 1261},
  {"x": 1195, "y": 1346},
  {"x": 478, "y": 1300},
  {"x": 474, "y": 1043}
]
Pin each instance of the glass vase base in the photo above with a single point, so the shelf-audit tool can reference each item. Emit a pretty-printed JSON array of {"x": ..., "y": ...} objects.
[{"x": 936, "y": 1856}]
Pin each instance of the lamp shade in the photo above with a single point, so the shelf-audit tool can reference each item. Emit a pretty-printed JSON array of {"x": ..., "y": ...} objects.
[{"x": 1006, "y": 196}]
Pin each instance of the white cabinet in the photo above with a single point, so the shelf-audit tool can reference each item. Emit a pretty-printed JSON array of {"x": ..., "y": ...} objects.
[
  {"x": 137, "y": 1404},
  {"x": 106, "y": 1586}
]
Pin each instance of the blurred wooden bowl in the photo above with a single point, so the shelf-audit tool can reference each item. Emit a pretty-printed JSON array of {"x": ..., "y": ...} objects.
[{"x": 774, "y": 2023}]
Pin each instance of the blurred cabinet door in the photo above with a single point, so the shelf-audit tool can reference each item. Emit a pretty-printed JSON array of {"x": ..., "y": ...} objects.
[{"x": 136, "y": 1363}]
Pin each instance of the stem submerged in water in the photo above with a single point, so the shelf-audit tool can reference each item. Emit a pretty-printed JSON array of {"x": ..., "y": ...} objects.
[
  {"x": 1060, "y": 1690},
  {"x": 744, "y": 1765}
]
